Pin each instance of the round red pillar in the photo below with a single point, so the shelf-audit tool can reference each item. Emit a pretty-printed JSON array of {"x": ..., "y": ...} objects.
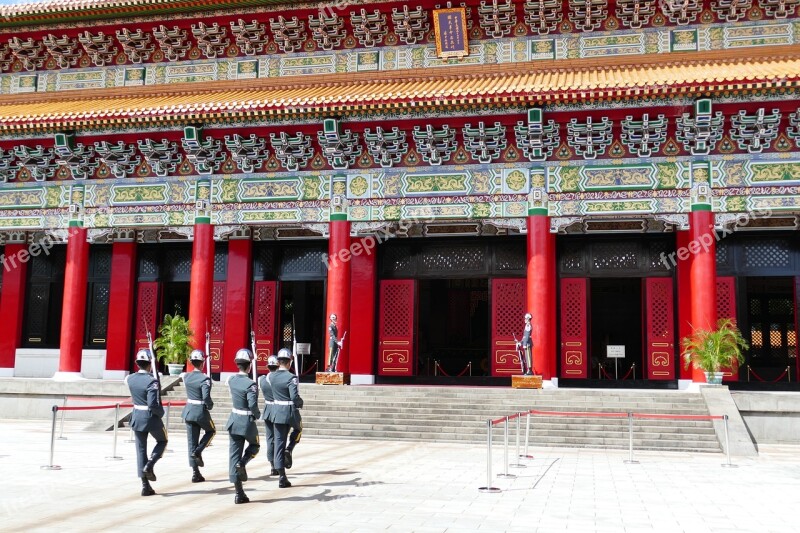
[
  {"x": 73, "y": 310},
  {"x": 120, "y": 309},
  {"x": 202, "y": 283},
  {"x": 702, "y": 274},
  {"x": 338, "y": 293},
  {"x": 542, "y": 293}
]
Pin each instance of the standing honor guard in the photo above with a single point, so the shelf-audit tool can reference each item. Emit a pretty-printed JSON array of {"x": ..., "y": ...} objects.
[
  {"x": 266, "y": 390},
  {"x": 196, "y": 413},
  {"x": 146, "y": 419},
  {"x": 334, "y": 344},
  {"x": 527, "y": 347},
  {"x": 286, "y": 402},
  {"x": 242, "y": 423}
]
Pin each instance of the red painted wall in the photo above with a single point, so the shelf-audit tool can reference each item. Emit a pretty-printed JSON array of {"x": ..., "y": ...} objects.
[
  {"x": 682, "y": 239},
  {"x": 121, "y": 306},
  {"x": 12, "y": 303},
  {"x": 74, "y": 307},
  {"x": 237, "y": 301},
  {"x": 338, "y": 297},
  {"x": 361, "y": 339}
]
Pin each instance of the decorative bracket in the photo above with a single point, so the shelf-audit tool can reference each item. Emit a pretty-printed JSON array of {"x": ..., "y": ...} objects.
[
  {"x": 436, "y": 146},
  {"x": 30, "y": 53},
  {"x": 498, "y": 19},
  {"x": 289, "y": 34},
  {"x": 121, "y": 159},
  {"x": 64, "y": 50},
  {"x": 162, "y": 157},
  {"x": 700, "y": 134},
  {"x": 327, "y": 30},
  {"x": 249, "y": 153},
  {"x": 386, "y": 148},
  {"x": 485, "y": 145},
  {"x": 588, "y": 15},
  {"x": 204, "y": 154},
  {"x": 779, "y": 9},
  {"x": 212, "y": 40},
  {"x": 340, "y": 148},
  {"x": 174, "y": 43},
  {"x": 100, "y": 48},
  {"x": 410, "y": 26},
  {"x": 643, "y": 137},
  {"x": 636, "y": 13},
  {"x": 250, "y": 38},
  {"x": 731, "y": 10},
  {"x": 537, "y": 140},
  {"x": 292, "y": 151},
  {"x": 38, "y": 161},
  {"x": 77, "y": 157},
  {"x": 590, "y": 139},
  {"x": 7, "y": 170},
  {"x": 369, "y": 28},
  {"x": 755, "y": 132},
  {"x": 681, "y": 12},
  {"x": 543, "y": 16},
  {"x": 138, "y": 45}
]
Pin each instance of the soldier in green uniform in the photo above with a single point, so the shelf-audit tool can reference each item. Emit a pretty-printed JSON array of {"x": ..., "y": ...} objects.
[
  {"x": 266, "y": 390},
  {"x": 146, "y": 419},
  {"x": 286, "y": 402},
  {"x": 242, "y": 423},
  {"x": 196, "y": 413}
]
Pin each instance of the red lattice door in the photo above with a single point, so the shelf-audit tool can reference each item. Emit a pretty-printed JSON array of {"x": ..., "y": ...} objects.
[
  {"x": 726, "y": 308},
  {"x": 265, "y": 316},
  {"x": 148, "y": 300},
  {"x": 574, "y": 328},
  {"x": 217, "y": 325},
  {"x": 659, "y": 328},
  {"x": 508, "y": 321},
  {"x": 397, "y": 325}
]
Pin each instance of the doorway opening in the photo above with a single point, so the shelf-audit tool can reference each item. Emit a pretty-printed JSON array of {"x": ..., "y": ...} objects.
[
  {"x": 616, "y": 320},
  {"x": 175, "y": 300},
  {"x": 453, "y": 327},
  {"x": 771, "y": 328},
  {"x": 302, "y": 308}
]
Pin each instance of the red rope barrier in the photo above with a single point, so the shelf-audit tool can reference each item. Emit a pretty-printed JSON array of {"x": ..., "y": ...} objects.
[
  {"x": 579, "y": 413},
  {"x": 628, "y": 374},
  {"x": 114, "y": 406},
  {"x": 96, "y": 398},
  {"x": 759, "y": 378},
  {"x": 676, "y": 417},
  {"x": 466, "y": 369},
  {"x": 439, "y": 367},
  {"x": 312, "y": 367},
  {"x": 605, "y": 373},
  {"x": 498, "y": 421}
]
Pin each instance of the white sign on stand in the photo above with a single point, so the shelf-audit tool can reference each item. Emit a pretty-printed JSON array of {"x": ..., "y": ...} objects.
[
  {"x": 615, "y": 352},
  {"x": 303, "y": 348}
]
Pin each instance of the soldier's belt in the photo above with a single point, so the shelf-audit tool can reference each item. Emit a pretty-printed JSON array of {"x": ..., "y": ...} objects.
[
  {"x": 241, "y": 412},
  {"x": 194, "y": 402},
  {"x": 269, "y": 403},
  {"x": 141, "y": 407},
  {"x": 277, "y": 402}
]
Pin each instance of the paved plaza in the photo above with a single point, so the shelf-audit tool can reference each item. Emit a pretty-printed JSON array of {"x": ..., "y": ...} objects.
[{"x": 347, "y": 485}]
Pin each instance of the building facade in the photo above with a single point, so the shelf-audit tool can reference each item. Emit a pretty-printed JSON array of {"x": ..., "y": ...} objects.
[{"x": 623, "y": 170}]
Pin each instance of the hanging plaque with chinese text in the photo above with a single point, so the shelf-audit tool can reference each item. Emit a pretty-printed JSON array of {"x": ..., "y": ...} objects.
[{"x": 451, "y": 32}]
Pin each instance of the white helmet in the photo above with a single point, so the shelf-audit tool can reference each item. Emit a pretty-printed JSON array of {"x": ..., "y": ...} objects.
[
  {"x": 528, "y": 316},
  {"x": 244, "y": 355},
  {"x": 333, "y": 316},
  {"x": 272, "y": 361},
  {"x": 197, "y": 355},
  {"x": 284, "y": 353},
  {"x": 143, "y": 355}
]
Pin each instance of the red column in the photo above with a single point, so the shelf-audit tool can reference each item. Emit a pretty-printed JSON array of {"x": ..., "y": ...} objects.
[
  {"x": 703, "y": 274},
  {"x": 12, "y": 304},
  {"x": 361, "y": 339},
  {"x": 73, "y": 314},
  {"x": 683, "y": 263},
  {"x": 542, "y": 293},
  {"x": 121, "y": 308},
  {"x": 237, "y": 301},
  {"x": 338, "y": 297},
  {"x": 202, "y": 282}
]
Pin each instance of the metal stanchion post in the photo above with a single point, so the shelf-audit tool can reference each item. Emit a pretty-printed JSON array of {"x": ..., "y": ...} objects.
[
  {"x": 727, "y": 444},
  {"x": 630, "y": 460},
  {"x": 488, "y": 487},
  {"x": 61, "y": 431},
  {"x": 517, "y": 464},
  {"x": 527, "y": 433},
  {"x": 130, "y": 435},
  {"x": 505, "y": 452},
  {"x": 114, "y": 456},
  {"x": 166, "y": 414},
  {"x": 50, "y": 465}
]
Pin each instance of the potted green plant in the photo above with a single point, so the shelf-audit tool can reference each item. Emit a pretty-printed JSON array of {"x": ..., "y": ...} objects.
[
  {"x": 172, "y": 345},
  {"x": 712, "y": 350}
]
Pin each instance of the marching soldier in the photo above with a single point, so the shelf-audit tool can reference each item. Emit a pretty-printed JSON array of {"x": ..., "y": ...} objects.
[
  {"x": 334, "y": 344},
  {"x": 286, "y": 402},
  {"x": 266, "y": 389},
  {"x": 241, "y": 424},
  {"x": 146, "y": 419},
  {"x": 196, "y": 413},
  {"x": 527, "y": 345}
]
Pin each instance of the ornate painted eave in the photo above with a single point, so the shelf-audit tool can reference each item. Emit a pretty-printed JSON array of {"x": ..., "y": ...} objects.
[
  {"x": 61, "y": 11},
  {"x": 632, "y": 77}
]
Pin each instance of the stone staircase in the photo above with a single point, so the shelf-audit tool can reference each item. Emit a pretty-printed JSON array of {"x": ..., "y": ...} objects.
[{"x": 449, "y": 414}]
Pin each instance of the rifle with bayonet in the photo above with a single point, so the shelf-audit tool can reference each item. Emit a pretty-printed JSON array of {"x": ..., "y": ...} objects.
[
  {"x": 294, "y": 353},
  {"x": 253, "y": 349},
  {"x": 208, "y": 352},
  {"x": 520, "y": 354},
  {"x": 153, "y": 360}
]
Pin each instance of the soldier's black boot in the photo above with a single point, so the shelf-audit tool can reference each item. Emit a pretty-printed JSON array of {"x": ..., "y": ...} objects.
[
  {"x": 147, "y": 490},
  {"x": 197, "y": 477},
  {"x": 148, "y": 471},
  {"x": 198, "y": 458},
  {"x": 283, "y": 481},
  {"x": 273, "y": 471},
  {"x": 287, "y": 458},
  {"x": 241, "y": 497}
]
